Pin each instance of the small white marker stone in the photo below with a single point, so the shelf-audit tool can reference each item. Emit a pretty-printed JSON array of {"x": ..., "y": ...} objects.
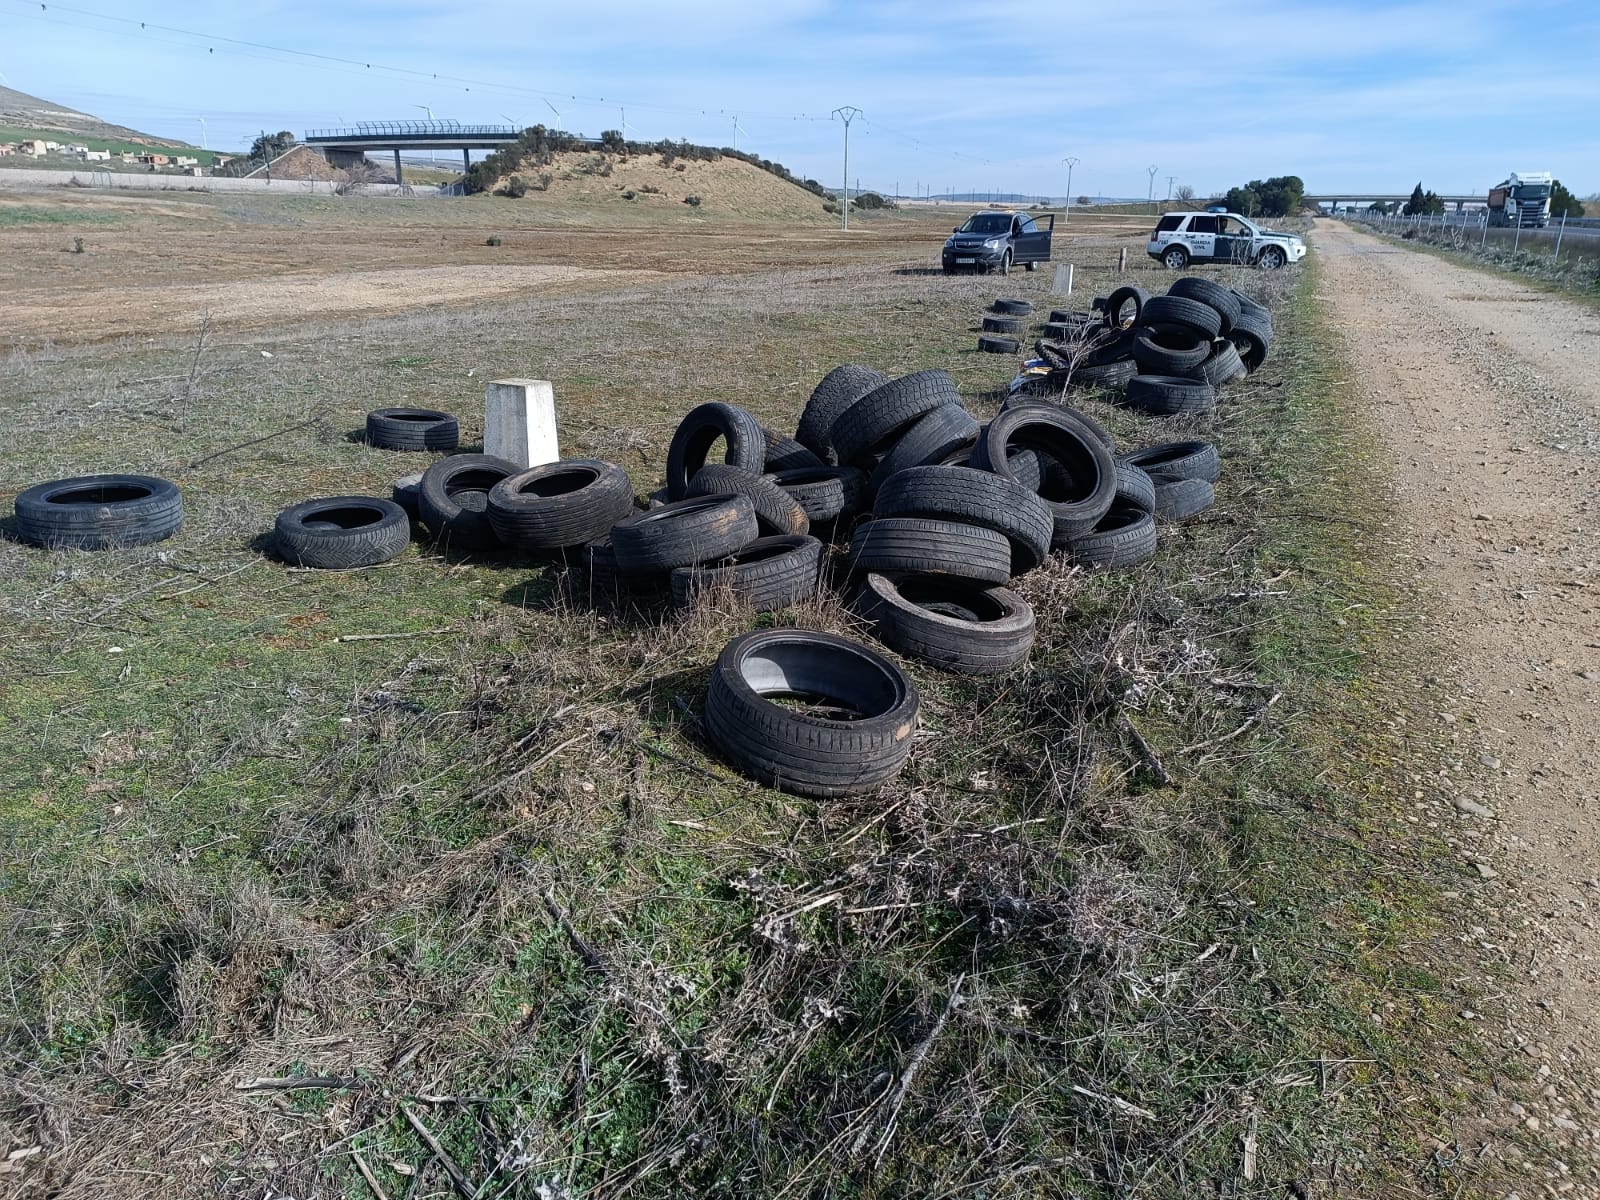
[{"x": 519, "y": 421}]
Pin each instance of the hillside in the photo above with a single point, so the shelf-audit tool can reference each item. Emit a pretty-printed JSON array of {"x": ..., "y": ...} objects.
[
  {"x": 23, "y": 114},
  {"x": 726, "y": 186}
]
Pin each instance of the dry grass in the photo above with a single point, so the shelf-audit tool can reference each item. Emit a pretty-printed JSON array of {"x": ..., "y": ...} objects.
[{"x": 492, "y": 885}]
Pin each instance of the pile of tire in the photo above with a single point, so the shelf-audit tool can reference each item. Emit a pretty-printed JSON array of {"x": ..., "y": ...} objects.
[{"x": 1005, "y": 320}]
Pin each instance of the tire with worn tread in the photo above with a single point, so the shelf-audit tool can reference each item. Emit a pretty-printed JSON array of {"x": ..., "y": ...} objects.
[
  {"x": 786, "y": 454},
  {"x": 953, "y": 624},
  {"x": 453, "y": 499},
  {"x": 1184, "y": 460},
  {"x": 1080, "y": 491},
  {"x": 1222, "y": 299},
  {"x": 700, "y": 430},
  {"x": 920, "y": 545},
  {"x": 684, "y": 533},
  {"x": 1177, "y": 498},
  {"x": 768, "y": 574},
  {"x": 1013, "y": 307},
  {"x": 1182, "y": 311},
  {"x": 1134, "y": 486},
  {"x": 974, "y": 497},
  {"x": 1168, "y": 394},
  {"x": 412, "y": 429},
  {"x": 1124, "y": 537},
  {"x": 1169, "y": 351},
  {"x": 942, "y": 432},
  {"x": 777, "y": 512},
  {"x": 341, "y": 532},
  {"x": 1110, "y": 376},
  {"x": 869, "y": 423},
  {"x": 1001, "y": 323},
  {"x": 559, "y": 504},
  {"x": 826, "y": 493},
  {"x": 811, "y": 753},
  {"x": 839, "y": 389},
  {"x": 99, "y": 512},
  {"x": 1223, "y": 366},
  {"x": 998, "y": 345}
]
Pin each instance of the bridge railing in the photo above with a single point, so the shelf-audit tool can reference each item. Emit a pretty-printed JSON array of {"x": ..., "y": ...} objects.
[{"x": 411, "y": 129}]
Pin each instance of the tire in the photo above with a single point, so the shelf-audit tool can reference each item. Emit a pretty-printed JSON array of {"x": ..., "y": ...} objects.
[
  {"x": 1170, "y": 350},
  {"x": 826, "y": 493},
  {"x": 453, "y": 500},
  {"x": 1119, "y": 300},
  {"x": 1081, "y": 491},
  {"x": 684, "y": 533},
  {"x": 1106, "y": 347},
  {"x": 559, "y": 504},
  {"x": 341, "y": 532},
  {"x": 982, "y": 498},
  {"x": 1005, "y": 263},
  {"x": 1031, "y": 266},
  {"x": 810, "y": 753},
  {"x": 412, "y": 429},
  {"x": 942, "y": 432},
  {"x": 948, "y": 623},
  {"x": 1168, "y": 394},
  {"x": 1258, "y": 313},
  {"x": 1015, "y": 307},
  {"x": 1223, "y": 366},
  {"x": 1252, "y": 338},
  {"x": 918, "y": 545},
  {"x": 1110, "y": 375},
  {"x": 786, "y": 454},
  {"x": 1004, "y": 324},
  {"x": 607, "y": 579},
  {"x": 839, "y": 389},
  {"x": 998, "y": 345},
  {"x": 99, "y": 512},
  {"x": 699, "y": 431},
  {"x": 1175, "y": 258},
  {"x": 1124, "y": 537},
  {"x": 1222, "y": 299},
  {"x": 770, "y": 573},
  {"x": 777, "y": 512},
  {"x": 864, "y": 427},
  {"x": 1177, "y": 499},
  {"x": 1134, "y": 486},
  {"x": 1182, "y": 460},
  {"x": 1271, "y": 259},
  {"x": 1183, "y": 312},
  {"x": 1075, "y": 327}
]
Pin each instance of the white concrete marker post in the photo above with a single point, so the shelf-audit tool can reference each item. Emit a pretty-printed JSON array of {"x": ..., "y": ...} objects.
[
  {"x": 519, "y": 421},
  {"x": 1063, "y": 282}
]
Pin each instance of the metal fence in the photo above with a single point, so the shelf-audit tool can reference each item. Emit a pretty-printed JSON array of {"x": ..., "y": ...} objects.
[
  {"x": 1563, "y": 240},
  {"x": 413, "y": 129}
]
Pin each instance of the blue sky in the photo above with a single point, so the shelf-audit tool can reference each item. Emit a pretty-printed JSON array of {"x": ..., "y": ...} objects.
[{"x": 984, "y": 94}]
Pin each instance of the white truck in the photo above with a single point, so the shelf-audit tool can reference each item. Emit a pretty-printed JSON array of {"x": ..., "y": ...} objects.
[{"x": 1523, "y": 199}]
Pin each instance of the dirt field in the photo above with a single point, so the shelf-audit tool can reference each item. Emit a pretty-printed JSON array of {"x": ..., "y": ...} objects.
[
  {"x": 162, "y": 264},
  {"x": 1487, "y": 391}
]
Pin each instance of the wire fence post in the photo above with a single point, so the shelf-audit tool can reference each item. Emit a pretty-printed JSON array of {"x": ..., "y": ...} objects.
[
  {"x": 1484, "y": 240},
  {"x": 1516, "y": 239},
  {"x": 1559, "y": 233}
]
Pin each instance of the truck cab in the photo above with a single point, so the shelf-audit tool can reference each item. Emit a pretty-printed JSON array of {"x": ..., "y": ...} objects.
[{"x": 1522, "y": 200}]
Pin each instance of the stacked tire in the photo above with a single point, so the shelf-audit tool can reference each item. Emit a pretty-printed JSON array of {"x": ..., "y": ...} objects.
[{"x": 1197, "y": 338}]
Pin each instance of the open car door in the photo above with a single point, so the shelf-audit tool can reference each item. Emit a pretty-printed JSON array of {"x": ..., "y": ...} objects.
[{"x": 1032, "y": 242}]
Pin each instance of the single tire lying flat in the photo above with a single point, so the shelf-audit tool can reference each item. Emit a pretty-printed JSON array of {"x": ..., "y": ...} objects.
[
  {"x": 700, "y": 430},
  {"x": 839, "y": 389},
  {"x": 453, "y": 500},
  {"x": 1183, "y": 460},
  {"x": 855, "y": 734},
  {"x": 341, "y": 532},
  {"x": 412, "y": 429},
  {"x": 776, "y": 511},
  {"x": 954, "y": 624},
  {"x": 1004, "y": 324},
  {"x": 917, "y": 545},
  {"x": 1222, "y": 299},
  {"x": 559, "y": 504},
  {"x": 99, "y": 512},
  {"x": 863, "y": 429},
  {"x": 1081, "y": 490},
  {"x": 786, "y": 454},
  {"x": 998, "y": 345},
  {"x": 1124, "y": 537},
  {"x": 770, "y": 573},
  {"x": 1015, "y": 307},
  {"x": 1167, "y": 394},
  {"x": 608, "y": 581},
  {"x": 973, "y": 497},
  {"x": 826, "y": 493},
  {"x": 1202, "y": 319},
  {"x": 684, "y": 533},
  {"x": 1177, "y": 498}
]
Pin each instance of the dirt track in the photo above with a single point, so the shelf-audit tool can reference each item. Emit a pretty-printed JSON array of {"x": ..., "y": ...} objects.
[{"x": 1487, "y": 391}]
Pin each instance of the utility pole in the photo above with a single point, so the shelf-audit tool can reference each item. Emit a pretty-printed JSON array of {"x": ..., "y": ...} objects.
[
  {"x": 1151, "y": 197},
  {"x": 847, "y": 114},
  {"x": 1071, "y": 162},
  {"x": 1170, "y": 178}
]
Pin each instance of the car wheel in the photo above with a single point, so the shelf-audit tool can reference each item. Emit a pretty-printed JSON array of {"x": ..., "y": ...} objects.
[
  {"x": 1271, "y": 259},
  {"x": 1033, "y": 266},
  {"x": 1005, "y": 263},
  {"x": 1175, "y": 257}
]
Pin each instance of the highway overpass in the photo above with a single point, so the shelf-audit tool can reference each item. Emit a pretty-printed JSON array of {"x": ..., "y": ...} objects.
[{"x": 346, "y": 147}]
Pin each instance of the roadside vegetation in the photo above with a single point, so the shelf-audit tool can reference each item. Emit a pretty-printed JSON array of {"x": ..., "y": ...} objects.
[{"x": 344, "y": 882}]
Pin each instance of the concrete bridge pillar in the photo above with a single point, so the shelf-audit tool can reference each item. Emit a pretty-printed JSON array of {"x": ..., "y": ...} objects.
[{"x": 399, "y": 175}]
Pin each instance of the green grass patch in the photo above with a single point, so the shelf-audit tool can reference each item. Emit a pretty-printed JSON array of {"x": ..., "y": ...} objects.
[{"x": 12, "y": 215}]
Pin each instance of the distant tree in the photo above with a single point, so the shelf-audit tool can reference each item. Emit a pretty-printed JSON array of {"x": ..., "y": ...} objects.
[
  {"x": 1185, "y": 193},
  {"x": 271, "y": 145},
  {"x": 1280, "y": 196},
  {"x": 613, "y": 142},
  {"x": 1382, "y": 207},
  {"x": 870, "y": 200},
  {"x": 1423, "y": 204},
  {"x": 1084, "y": 201},
  {"x": 1563, "y": 201},
  {"x": 1243, "y": 200}
]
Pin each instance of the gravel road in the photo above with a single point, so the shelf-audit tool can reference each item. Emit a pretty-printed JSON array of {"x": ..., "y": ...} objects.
[{"x": 1490, "y": 394}]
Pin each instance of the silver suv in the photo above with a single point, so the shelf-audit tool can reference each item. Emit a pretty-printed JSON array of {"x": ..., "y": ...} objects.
[{"x": 1185, "y": 237}]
